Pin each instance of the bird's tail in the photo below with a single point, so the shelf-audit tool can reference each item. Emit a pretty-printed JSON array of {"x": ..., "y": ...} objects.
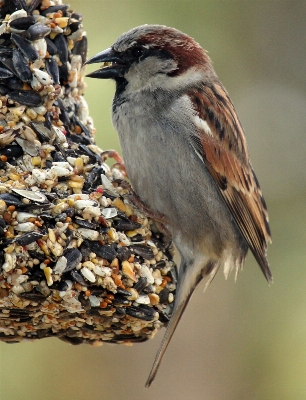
[{"x": 187, "y": 282}]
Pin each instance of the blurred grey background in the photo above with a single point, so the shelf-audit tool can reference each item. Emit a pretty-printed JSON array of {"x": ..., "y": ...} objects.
[{"x": 242, "y": 340}]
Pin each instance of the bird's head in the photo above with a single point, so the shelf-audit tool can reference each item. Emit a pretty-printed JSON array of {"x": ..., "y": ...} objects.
[{"x": 152, "y": 57}]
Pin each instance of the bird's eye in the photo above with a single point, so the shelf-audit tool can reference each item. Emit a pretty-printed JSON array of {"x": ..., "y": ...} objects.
[{"x": 137, "y": 51}]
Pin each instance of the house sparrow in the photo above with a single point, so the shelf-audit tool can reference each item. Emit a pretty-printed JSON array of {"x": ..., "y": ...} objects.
[{"x": 186, "y": 156}]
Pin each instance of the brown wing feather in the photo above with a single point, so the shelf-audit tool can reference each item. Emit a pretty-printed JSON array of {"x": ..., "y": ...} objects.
[{"x": 226, "y": 157}]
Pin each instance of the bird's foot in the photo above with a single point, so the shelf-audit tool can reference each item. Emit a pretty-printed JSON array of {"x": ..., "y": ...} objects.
[
  {"x": 115, "y": 155},
  {"x": 159, "y": 218}
]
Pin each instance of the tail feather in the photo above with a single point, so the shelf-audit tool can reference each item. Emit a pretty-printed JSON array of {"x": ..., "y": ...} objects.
[{"x": 187, "y": 282}]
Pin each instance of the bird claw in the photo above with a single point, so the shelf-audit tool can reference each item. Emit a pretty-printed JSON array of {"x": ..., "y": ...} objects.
[{"x": 115, "y": 155}]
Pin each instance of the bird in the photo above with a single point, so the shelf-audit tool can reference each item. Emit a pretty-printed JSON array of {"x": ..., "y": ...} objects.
[{"x": 186, "y": 157}]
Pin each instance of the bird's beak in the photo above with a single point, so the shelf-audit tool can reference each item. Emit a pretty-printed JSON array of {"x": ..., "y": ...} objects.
[{"x": 113, "y": 66}]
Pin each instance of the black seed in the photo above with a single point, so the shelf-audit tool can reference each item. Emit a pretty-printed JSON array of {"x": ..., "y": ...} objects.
[
  {"x": 108, "y": 251},
  {"x": 83, "y": 223},
  {"x": 38, "y": 31},
  {"x": 62, "y": 48},
  {"x": 93, "y": 156},
  {"x": 51, "y": 48},
  {"x": 136, "y": 238},
  {"x": 33, "y": 4},
  {"x": 33, "y": 296},
  {"x": 94, "y": 178},
  {"x": 4, "y": 90},
  {"x": 122, "y": 225},
  {"x": 141, "y": 312},
  {"x": 44, "y": 134},
  {"x": 5, "y": 73},
  {"x": 64, "y": 74},
  {"x": 53, "y": 9},
  {"x": 77, "y": 16},
  {"x": 2, "y": 223},
  {"x": 141, "y": 284},
  {"x": 123, "y": 253},
  {"x": 164, "y": 296},
  {"x": 58, "y": 157},
  {"x": 61, "y": 286},
  {"x": 21, "y": 66},
  {"x": 28, "y": 238},
  {"x": 52, "y": 69},
  {"x": 121, "y": 300},
  {"x": 29, "y": 98},
  {"x": 143, "y": 251},
  {"x": 74, "y": 26},
  {"x": 14, "y": 83},
  {"x": 10, "y": 199},
  {"x": 78, "y": 278},
  {"x": 5, "y": 51},
  {"x": 74, "y": 257},
  {"x": 85, "y": 302},
  {"x": 80, "y": 48},
  {"x": 97, "y": 290},
  {"x": 11, "y": 151},
  {"x": 163, "y": 317},
  {"x": 25, "y": 47},
  {"x": 17, "y": 5},
  {"x": 123, "y": 292},
  {"x": 8, "y": 63},
  {"x": 72, "y": 138},
  {"x": 23, "y": 23}
]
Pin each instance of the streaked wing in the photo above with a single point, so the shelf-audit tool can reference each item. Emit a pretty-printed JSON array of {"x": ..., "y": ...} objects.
[{"x": 222, "y": 147}]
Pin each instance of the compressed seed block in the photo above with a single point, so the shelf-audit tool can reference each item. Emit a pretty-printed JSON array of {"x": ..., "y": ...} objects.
[{"x": 78, "y": 261}]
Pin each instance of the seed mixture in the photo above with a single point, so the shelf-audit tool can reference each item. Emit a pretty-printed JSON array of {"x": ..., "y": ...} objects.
[{"x": 78, "y": 260}]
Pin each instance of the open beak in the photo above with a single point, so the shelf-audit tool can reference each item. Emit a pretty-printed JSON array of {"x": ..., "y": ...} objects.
[{"x": 113, "y": 66}]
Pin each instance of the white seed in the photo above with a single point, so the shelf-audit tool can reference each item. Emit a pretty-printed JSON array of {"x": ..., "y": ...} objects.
[
  {"x": 146, "y": 273},
  {"x": 27, "y": 146},
  {"x": 60, "y": 265},
  {"x": 60, "y": 171},
  {"x": 31, "y": 194},
  {"x": 71, "y": 160},
  {"x": 88, "y": 274},
  {"x": 102, "y": 271},
  {"x": 42, "y": 76},
  {"x": 41, "y": 110},
  {"x": 36, "y": 84},
  {"x": 91, "y": 212},
  {"x": 73, "y": 78},
  {"x": 41, "y": 46},
  {"x": 25, "y": 227},
  {"x": 24, "y": 216},
  {"x": 56, "y": 248},
  {"x": 94, "y": 301},
  {"x": 81, "y": 204},
  {"x": 76, "y": 62},
  {"x": 109, "y": 212},
  {"x": 80, "y": 196},
  {"x": 143, "y": 299},
  {"x": 28, "y": 134},
  {"x": 3, "y": 28},
  {"x": 88, "y": 233},
  {"x": 59, "y": 135},
  {"x": 7, "y": 137},
  {"x": 39, "y": 175},
  {"x": 17, "y": 14},
  {"x": 9, "y": 262}
]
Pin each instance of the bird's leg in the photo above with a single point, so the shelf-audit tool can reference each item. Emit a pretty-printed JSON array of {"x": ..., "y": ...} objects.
[{"x": 159, "y": 219}]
